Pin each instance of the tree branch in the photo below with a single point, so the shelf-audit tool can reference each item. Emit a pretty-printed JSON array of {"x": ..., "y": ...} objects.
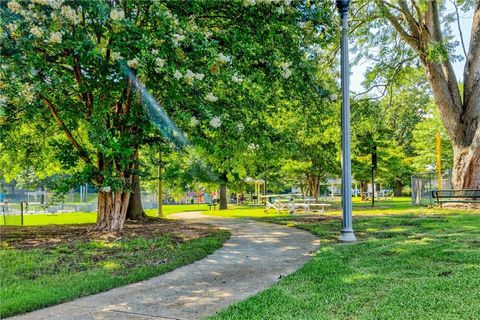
[
  {"x": 83, "y": 154},
  {"x": 471, "y": 89},
  {"x": 454, "y": 2},
  {"x": 87, "y": 97},
  {"x": 410, "y": 39}
]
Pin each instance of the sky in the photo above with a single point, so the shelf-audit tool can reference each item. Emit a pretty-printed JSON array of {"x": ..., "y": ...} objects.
[{"x": 357, "y": 71}]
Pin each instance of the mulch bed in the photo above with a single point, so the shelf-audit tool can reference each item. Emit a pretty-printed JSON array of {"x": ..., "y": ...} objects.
[{"x": 30, "y": 237}]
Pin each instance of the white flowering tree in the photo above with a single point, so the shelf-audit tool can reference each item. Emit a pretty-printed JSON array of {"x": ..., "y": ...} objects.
[
  {"x": 65, "y": 60},
  {"x": 211, "y": 65}
]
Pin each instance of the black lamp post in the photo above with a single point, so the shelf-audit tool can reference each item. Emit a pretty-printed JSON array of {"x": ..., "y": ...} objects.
[{"x": 346, "y": 234}]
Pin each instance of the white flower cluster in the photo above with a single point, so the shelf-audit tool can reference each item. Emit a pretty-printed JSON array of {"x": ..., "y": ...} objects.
[
  {"x": 56, "y": 37},
  {"x": 115, "y": 56},
  {"x": 106, "y": 189},
  {"x": 216, "y": 122},
  {"x": 14, "y": 6},
  {"x": 70, "y": 14},
  {"x": 252, "y": 146},
  {"x": 210, "y": 97},
  {"x": 12, "y": 27},
  {"x": 178, "y": 75},
  {"x": 55, "y": 4},
  {"x": 117, "y": 14},
  {"x": 194, "y": 121},
  {"x": 247, "y": 3},
  {"x": 28, "y": 93},
  {"x": 240, "y": 127},
  {"x": 286, "y": 72},
  {"x": 159, "y": 62},
  {"x": 177, "y": 38},
  {"x": 133, "y": 63},
  {"x": 36, "y": 31},
  {"x": 223, "y": 58},
  {"x": 237, "y": 79},
  {"x": 189, "y": 76}
]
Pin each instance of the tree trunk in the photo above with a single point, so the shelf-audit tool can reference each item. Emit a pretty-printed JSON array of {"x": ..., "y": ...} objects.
[
  {"x": 112, "y": 210},
  {"x": 313, "y": 183},
  {"x": 135, "y": 208},
  {"x": 363, "y": 190},
  {"x": 223, "y": 196},
  {"x": 466, "y": 167},
  {"x": 397, "y": 188},
  {"x": 42, "y": 195}
]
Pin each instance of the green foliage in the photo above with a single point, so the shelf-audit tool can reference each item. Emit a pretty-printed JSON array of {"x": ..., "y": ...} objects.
[{"x": 425, "y": 146}]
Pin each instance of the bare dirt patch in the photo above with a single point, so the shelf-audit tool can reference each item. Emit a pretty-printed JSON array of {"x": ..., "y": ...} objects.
[{"x": 29, "y": 237}]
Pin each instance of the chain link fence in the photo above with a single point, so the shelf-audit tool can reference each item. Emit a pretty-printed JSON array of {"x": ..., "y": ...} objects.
[
  {"x": 423, "y": 184},
  {"x": 14, "y": 203}
]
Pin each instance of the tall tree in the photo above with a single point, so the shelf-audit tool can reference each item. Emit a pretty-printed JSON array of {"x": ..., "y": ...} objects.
[
  {"x": 78, "y": 63},
  {"x": 421, "y": 25}
]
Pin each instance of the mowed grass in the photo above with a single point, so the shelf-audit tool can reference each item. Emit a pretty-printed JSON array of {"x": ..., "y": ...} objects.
[
  {"x": 395, "y": 206},
  {"x": 405, "y": 266},
  {"x": 88, "y": 217},
  {"x": 36, "y": 278}
]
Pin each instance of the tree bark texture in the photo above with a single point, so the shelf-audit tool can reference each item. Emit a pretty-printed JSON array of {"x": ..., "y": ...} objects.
[
  {"x": 363, "y": 190},
  {"x": 397, "y": 188},
  {"x": 112, "y": 210},
  {"x": 313, "y": 183},
  {"x": 135, "y": 207},
  {"x": 223, "y": 196}
]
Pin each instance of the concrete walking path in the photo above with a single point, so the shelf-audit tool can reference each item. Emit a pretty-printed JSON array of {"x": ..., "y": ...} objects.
[{"x": 253, "y": 259}]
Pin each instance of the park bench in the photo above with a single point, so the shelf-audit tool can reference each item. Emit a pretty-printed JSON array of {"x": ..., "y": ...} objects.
[{"x": 456, "y": 195}]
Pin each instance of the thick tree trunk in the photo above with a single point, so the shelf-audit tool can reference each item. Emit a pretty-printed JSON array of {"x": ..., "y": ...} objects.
[
  {"x": 313, "y": 183},
  {"x": 223, "y": 196},
  {"x": 112, "y": 210},
  {"x": 397, "y": 188},
  {"x": 466, "y": 167},
  {"x": 135, "y": 208}
]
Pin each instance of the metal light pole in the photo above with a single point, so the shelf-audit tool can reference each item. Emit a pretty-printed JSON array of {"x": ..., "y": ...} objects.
[{"x": 346, "y": 234}]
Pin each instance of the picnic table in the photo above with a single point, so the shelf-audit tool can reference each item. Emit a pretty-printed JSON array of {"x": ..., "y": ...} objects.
[
  {"x": 292, "y": 203},
  {"x": 213, "y": 204}
]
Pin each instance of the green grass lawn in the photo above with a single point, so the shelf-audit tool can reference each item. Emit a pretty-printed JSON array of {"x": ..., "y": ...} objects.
[
  {"x": 36, "y": 278},
  {"x": 88, "y": 217},
  {"x": 406, "y": 265}
]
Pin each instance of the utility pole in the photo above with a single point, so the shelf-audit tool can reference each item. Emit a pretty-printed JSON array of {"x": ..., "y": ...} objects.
[
  {"x": 346, "y": 233},
  {"x": 439, "y": 161}
]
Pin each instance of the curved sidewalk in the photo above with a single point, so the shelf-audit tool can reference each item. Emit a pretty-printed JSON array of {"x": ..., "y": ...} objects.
[{"x": 255, "y": 257}]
